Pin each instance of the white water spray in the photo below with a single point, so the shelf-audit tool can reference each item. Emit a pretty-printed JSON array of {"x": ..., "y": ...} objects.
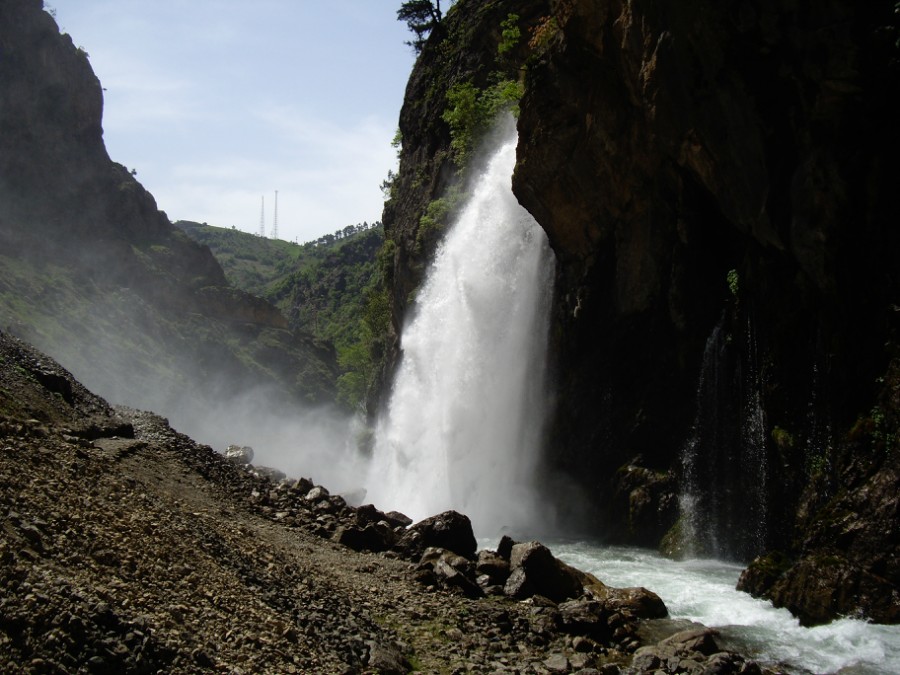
[{"x": 465, "y": 419}]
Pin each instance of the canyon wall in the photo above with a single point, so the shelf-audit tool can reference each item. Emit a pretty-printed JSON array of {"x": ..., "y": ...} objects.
[{"x": 716, "y": 180}]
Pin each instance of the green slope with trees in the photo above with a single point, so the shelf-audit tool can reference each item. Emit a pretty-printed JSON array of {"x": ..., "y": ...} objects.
[{"x": 330, "y": 288}]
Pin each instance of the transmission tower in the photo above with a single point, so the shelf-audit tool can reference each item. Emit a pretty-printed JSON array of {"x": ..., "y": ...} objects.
[
  {"x": 262, "y": 218},
  {"x": 275, "y": 218}
]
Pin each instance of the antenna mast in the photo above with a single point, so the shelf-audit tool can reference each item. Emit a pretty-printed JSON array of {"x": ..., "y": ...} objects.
[
  {"x": 262, "y": 218},
  {"x": 275, "y": 219}
]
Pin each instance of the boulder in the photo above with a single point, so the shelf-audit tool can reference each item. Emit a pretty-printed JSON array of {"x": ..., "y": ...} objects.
[
  {"x": 637, "y": 603},
  {"x": 240, "y": 455},
  {"x": 375, "y": 537},
  {"x": 699, "y": 640},
  {"x": 317, "y": 494},
  {"x": 367, "y": 513},
  {"x": 535, "y": 571},
  {"x": 493, "y": 566},
  {"x": 450, "y": 571},
  {"x": 449, "y": 530},
  {"x": 398, "y": 519},
  {"x": 586, "y": 618}
]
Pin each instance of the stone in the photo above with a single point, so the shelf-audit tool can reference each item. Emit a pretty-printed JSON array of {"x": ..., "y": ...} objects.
[
  {"x": 700, "y": 640},
  {"x": 493, "y": 566},
  {"x": 398, "y": 519},
  {"x": 449, "y": 570},
  {"x": 636, "y": 602},
  {"x": 387, "y": 659},
  {"x": 449, "y": 530},
  {"x": 239, "y": 455},
  {"x": 317, "y": 494},
  {"x": 375, "y": 537},
  {"x": 585, "y": 618},
  {"x": 535, "y": 571},
  {"x": 557, "y": 663}
]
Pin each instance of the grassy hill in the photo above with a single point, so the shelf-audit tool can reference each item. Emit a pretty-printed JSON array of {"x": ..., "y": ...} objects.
[{"x": 330, "y": 288}]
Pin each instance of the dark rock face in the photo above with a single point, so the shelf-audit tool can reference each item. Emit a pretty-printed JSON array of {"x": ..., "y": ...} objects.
[
  {"x": 660, "y": 149},
  {"x": 701, "y": 171}
]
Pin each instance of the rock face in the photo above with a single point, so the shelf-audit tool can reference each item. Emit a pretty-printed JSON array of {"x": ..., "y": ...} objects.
[
  {"x": 94, "y": 273},
  {"x": 661, "y": 149},
  {"x": 717, "y": 185}
]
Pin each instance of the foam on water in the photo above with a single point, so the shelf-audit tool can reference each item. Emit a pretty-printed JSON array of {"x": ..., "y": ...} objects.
[{"x": 704, "y": 591}]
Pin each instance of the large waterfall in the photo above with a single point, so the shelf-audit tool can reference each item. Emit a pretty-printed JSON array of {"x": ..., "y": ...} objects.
[{"x": 464, "y": 423}]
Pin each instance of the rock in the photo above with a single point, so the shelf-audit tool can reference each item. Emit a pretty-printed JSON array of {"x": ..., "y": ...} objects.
[
  {"x": 638, "y": 602},
  {"x": 449, "y": 530},
  {"x": 535, "y": 571},
  {"x": 504, "y": 548},
  {"x": 398, "y": 519},
  {"x": 387, "y": 659},
  {"x": 450, "y": 570},
  {"x": 375, "y": 537},
  {"x": 493, "y": 566},
  {"x": 557, "y": 663},
  {"x": 317, "y": 494},
  {"x": 240, "y": 455},
  {"x": 700, "y": 640},
  {"x": 585, "y": 618}
]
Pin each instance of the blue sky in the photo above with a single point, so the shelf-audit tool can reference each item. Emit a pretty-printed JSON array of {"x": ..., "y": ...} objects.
[{"x": 217, "y": 103}]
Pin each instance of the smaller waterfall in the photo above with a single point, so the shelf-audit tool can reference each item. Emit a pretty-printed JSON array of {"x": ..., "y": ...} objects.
[
  {"x": 724, "y": 498},
  {"x": 465, "y": 420}
]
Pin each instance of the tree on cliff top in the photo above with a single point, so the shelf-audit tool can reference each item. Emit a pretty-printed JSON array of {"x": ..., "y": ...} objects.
[{"x": 421, "y": 16}]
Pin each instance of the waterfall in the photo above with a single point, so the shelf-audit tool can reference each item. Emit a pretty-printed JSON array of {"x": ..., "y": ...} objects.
[
  {"x": 724, "y": 478},
  {"x": 464, "y": 424}
]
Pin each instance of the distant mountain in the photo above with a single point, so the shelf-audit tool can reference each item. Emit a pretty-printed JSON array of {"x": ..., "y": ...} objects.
[{"x": 94, "y": 274}]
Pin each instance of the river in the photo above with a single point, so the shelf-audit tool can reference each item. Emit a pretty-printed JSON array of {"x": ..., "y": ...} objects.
[{"x": 704, "y": 591}]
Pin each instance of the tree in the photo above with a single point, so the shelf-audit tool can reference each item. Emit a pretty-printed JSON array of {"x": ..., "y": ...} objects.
[{"x": 421, "y": 16}]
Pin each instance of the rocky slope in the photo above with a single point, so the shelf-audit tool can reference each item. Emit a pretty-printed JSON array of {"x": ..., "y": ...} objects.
[
  {"x": 716, "y": 182},
  {"x": 125, "y": 547},
  {"x": 94, "y": 273}
]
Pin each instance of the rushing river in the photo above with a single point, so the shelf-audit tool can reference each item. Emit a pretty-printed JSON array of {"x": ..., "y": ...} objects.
[{"x": 704, "y": 591}]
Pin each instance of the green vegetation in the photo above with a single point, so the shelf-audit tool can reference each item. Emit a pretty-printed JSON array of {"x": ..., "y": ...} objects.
[
  {"x": 421, "y": 17},
  {"x": 734, "y": 283},
  {"x": 331, "y": 288},
  {"x": 510, "y": 34},
  {"x": 470, "y": 112},
  {"x": 783, "y": 439}
]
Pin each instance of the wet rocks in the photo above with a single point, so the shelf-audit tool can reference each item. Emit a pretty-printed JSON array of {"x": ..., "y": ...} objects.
[
  {"x": 533, "y": 570},
  {"x": 691, "y": 651}
]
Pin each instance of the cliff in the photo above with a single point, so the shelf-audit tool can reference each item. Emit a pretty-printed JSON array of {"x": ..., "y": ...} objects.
[
  {"x": 94, "y": 273},
  {"x": 716, "y": 182}
]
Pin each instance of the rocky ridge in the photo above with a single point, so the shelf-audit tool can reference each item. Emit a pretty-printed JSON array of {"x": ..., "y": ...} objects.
[{"x": 127, "y": 547}]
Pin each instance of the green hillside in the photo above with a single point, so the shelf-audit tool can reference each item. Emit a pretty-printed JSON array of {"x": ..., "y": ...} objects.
[{"x": 329, "y": 288}]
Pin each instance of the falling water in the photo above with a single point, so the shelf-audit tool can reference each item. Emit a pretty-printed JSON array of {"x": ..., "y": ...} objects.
[
  {"x": 465, "y": 419},
  {"x": 723, "y": 500}
]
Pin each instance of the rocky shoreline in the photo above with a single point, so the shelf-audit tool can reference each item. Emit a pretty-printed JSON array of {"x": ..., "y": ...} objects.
[{"x": 128, "y": 548}]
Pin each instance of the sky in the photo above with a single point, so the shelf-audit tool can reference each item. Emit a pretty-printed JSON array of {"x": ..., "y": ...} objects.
[{"x": 218, "y": 104}]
